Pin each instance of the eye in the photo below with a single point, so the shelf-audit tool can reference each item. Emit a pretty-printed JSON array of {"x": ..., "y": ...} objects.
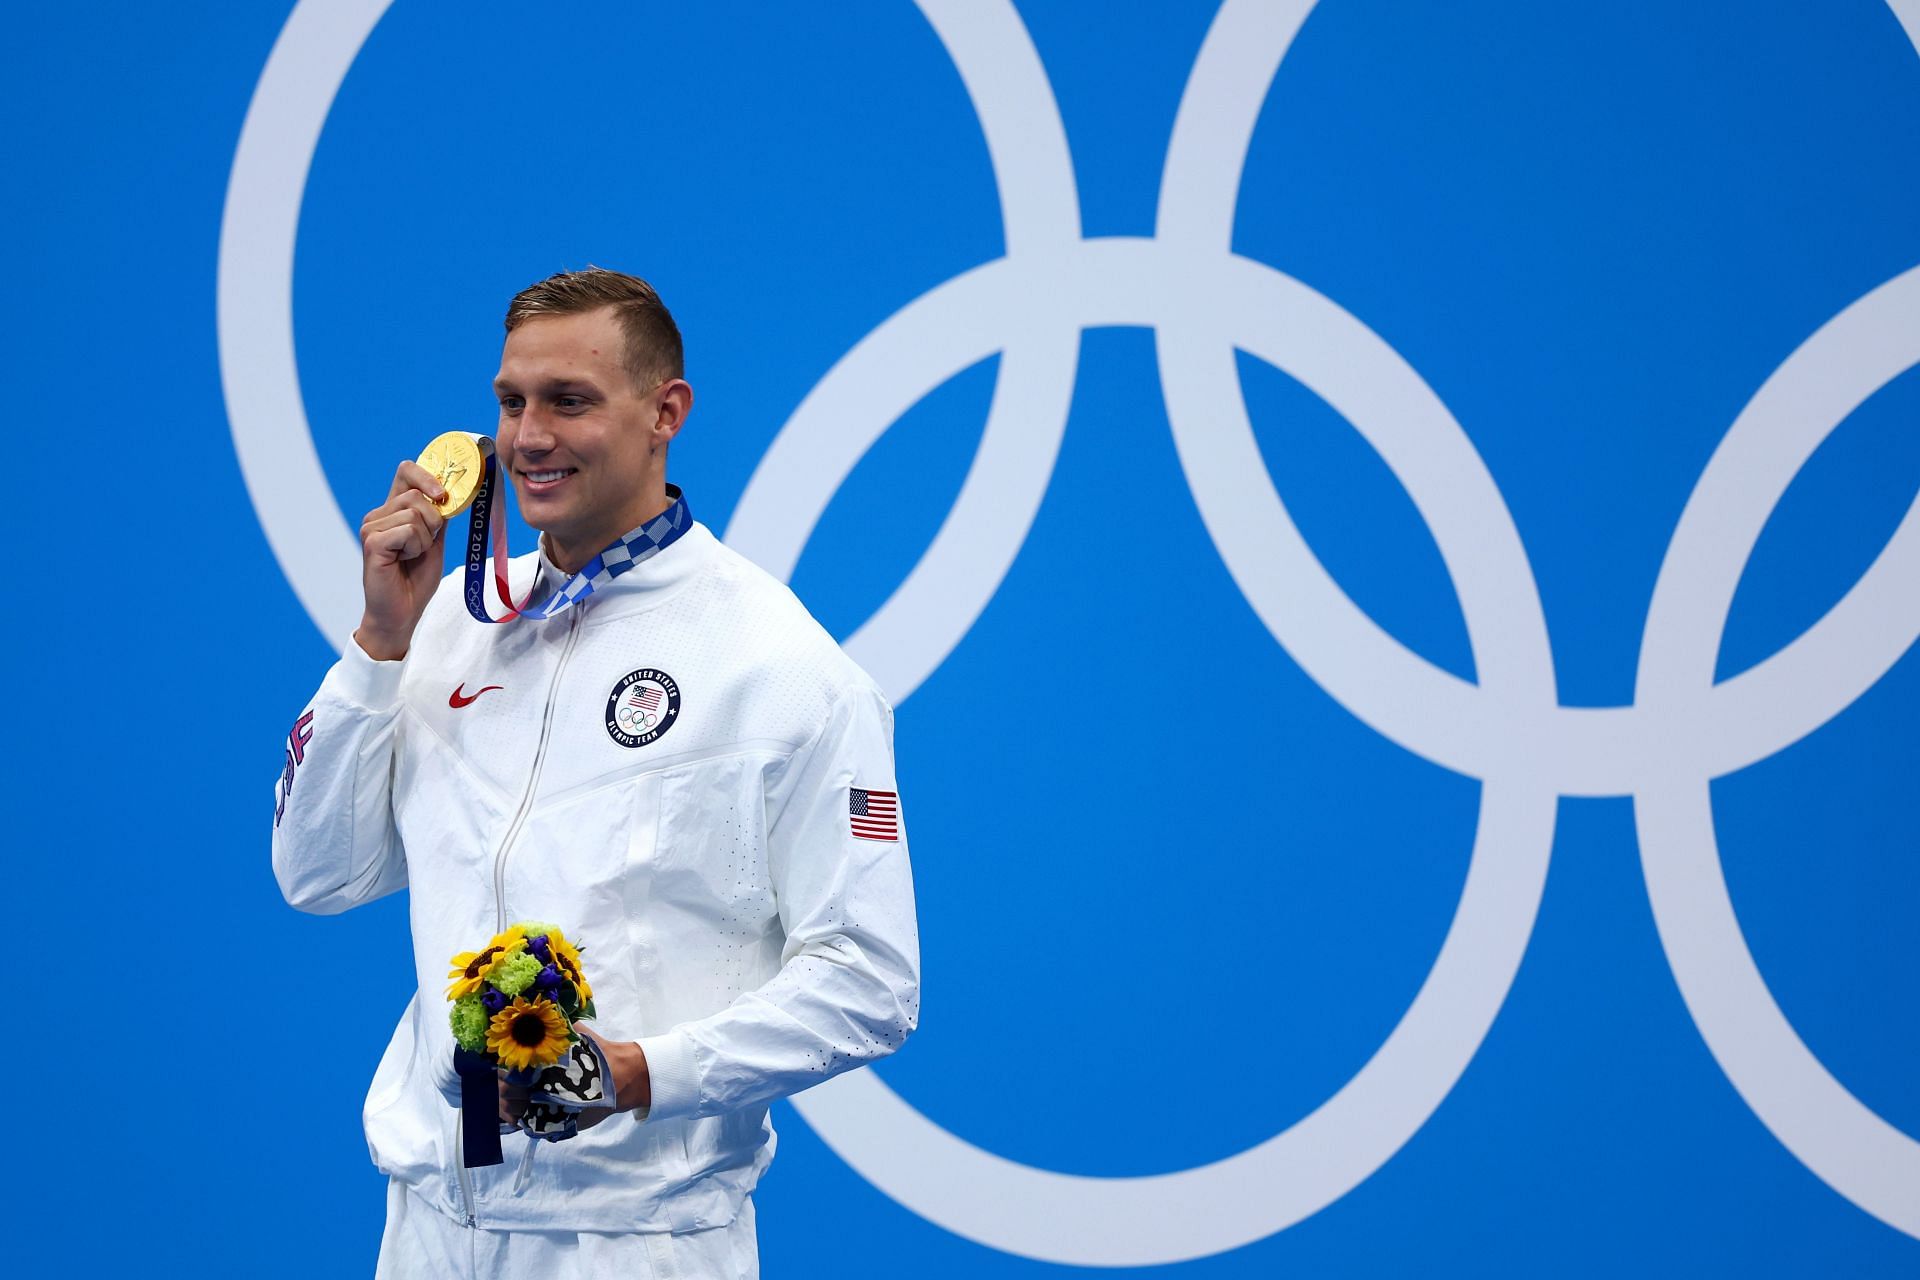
[
  {"x": 571, "y": 402},
  {"x": 512, "y": 404}
]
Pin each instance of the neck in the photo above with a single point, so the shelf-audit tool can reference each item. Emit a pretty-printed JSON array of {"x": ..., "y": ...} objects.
[{"x": 571, "y": 552}]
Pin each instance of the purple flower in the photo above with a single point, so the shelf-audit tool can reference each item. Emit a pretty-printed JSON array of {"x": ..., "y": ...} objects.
[
  {"x": 492, "y": 1001},
  {"x": 549, "y": 978},
  {"x": 538, "y": 946}
]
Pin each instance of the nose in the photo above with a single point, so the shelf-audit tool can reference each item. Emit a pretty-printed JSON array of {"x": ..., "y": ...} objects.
[{"x": 530, "y": 433}]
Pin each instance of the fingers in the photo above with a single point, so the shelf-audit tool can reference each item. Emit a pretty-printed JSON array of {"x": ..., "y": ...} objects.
[
  {"x": 513, "y": 1101},
  {"x": 408, "y": 540},
  {"x": 411, "y": 475},
  {"x": 410, "y": 504},
  {"x": 413, "y": 500},
  {"x": 405, "y": 527}
]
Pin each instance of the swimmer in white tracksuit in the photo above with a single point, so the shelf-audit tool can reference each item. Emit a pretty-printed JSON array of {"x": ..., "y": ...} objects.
[{"x": 682, "y": 770}]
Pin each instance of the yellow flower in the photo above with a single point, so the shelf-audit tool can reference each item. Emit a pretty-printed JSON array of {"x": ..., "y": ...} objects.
[
  {"x": 566, "y": 958},
  {"x": 512, "y": 938},
  {"x": 471, "y": 969},
  {"x": 528, "y": 1033}
]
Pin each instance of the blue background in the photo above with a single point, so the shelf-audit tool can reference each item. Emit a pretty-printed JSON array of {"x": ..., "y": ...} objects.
[{"x": 1149, "y": 941}]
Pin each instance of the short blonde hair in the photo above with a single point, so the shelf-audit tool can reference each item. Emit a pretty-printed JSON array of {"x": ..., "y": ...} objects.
[{"x": 653, "y": 339}]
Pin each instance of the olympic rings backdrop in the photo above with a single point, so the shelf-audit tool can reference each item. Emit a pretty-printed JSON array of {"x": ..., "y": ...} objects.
[{"x": 1392, "y": 531}]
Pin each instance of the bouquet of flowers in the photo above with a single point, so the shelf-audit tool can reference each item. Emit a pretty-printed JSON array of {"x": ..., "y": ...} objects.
[{"x": 514, "y": 1002}]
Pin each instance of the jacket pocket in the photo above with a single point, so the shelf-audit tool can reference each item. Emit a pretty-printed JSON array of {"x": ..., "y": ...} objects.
[{"x": 396, "y": 1065}]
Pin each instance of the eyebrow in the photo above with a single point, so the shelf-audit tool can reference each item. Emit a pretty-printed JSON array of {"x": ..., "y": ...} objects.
[{"x": 553, "y": 387}]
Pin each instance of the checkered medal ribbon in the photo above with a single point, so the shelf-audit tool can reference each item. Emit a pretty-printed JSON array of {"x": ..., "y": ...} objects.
[{"x": 486, "y": 521}]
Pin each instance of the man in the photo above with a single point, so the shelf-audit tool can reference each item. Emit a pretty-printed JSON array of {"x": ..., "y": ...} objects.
[{"x": 681, "y": 770}]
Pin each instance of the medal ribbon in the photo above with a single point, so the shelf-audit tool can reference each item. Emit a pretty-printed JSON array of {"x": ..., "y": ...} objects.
[
  {"x": 479, "y": 1108},
  {"x": 487, "y": 522}
]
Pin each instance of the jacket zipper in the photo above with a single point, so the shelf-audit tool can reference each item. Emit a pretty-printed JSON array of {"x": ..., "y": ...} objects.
[
  {"x": 460, "y": 1167},
  {"x": 533, "y": 778},
  {"x": 500, "y": 867}
]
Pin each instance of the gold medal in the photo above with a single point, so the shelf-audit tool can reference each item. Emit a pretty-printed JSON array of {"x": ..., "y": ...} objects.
[{"x": 454, "y": 460}]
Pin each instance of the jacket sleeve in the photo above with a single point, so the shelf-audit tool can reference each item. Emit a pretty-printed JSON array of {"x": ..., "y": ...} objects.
[
  {"x": 848, "y": 989},
  {"x": 334, "y": 842}
]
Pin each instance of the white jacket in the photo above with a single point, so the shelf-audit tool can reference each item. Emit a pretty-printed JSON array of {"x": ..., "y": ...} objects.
[{"x": 733, "y": 921}]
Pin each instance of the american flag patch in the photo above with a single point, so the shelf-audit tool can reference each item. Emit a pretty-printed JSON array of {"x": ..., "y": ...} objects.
[
  {"x": 645, "y": 697},
  {"x": 875, "y": 815}
]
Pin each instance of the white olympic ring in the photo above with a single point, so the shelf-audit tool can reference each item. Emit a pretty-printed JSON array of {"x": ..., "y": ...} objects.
[{"x": 1508, "y": 730}]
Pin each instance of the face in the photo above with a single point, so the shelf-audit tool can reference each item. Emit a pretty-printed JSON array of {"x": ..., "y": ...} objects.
[{"x": 585, "y": 448}]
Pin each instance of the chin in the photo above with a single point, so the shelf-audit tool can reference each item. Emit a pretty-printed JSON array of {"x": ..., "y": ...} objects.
[
  {"x": 540, "y": 511},
  {"x": 549, "y": 523}
]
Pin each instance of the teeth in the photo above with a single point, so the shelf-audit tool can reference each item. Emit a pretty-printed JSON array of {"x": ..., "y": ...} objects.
[{"x": 541, "y": 477}]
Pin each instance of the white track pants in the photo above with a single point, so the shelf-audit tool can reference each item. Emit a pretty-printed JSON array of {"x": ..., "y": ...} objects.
[{"x": 421, "y": 1243}]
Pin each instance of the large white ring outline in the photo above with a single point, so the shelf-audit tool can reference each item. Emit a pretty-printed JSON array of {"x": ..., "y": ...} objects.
[
  {"x": 1846, "y": 1144},
  {"x": 1195, "y": 1212},
  {"x": 253, "y": 307},
  {"x": 258, "y": 373}
]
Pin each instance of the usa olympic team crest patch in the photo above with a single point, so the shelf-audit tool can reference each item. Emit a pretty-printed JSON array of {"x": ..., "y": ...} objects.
[{"x": 643, "y": 705}]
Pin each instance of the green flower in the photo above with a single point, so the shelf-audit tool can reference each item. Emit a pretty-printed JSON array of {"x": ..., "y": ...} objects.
[
  {"x": 534, "y": 928},
  {"x": 469, "y": 1021},
  {"x": 516, "y": 974}
]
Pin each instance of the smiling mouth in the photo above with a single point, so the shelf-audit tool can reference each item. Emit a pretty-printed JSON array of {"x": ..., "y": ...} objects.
[{"x": 539, "y": 481}]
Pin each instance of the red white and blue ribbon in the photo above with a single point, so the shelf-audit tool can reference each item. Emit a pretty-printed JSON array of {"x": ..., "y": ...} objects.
[{"x": 486, "y": 521}]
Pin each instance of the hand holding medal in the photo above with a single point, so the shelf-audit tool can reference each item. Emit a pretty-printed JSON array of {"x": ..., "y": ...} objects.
[
  {"x": 400, "y": 569},
  {"x": 401, "y": 539}
]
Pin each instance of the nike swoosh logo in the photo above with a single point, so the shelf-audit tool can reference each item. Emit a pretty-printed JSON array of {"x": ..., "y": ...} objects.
[{"x": 460, "y": 697}]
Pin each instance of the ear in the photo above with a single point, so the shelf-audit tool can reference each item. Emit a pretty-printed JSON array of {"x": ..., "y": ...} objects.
[{"x": 676, "y": 402}]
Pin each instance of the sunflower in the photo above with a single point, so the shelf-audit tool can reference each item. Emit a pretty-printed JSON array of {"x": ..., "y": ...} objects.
[
  {"x": 566, "y": 958},
  {"x": 528, "y": 1033},
  {"x": 471, "y": 969}
]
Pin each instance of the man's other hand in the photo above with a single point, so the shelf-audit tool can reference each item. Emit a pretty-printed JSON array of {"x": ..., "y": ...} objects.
[{"x": 630, "y": 1084}]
